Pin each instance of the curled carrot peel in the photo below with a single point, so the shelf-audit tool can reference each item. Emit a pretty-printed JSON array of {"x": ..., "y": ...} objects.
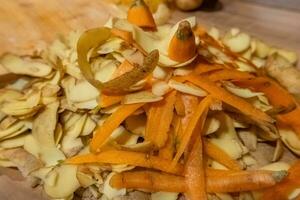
[
  {"x": 282, "y": 190},
  {"x": 194, "y": 173},
  {"x": 139, "y": 14},
  {"x": 111, "y": 123},
  {"x": 195, "y": 123},
  {"x": 240, "y": 104},
  {"x": 229, "y": 74},
  {"x": 230, "y": 182},
  {"x": 182, "y": 46},
  {"x": 127, "y": 157},
  {"x": 163, "y": 112},
  {"x": 220, "y": 156}
]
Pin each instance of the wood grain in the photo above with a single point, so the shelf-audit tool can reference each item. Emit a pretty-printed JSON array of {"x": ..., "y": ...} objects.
[{"x": 29, "y": 24}]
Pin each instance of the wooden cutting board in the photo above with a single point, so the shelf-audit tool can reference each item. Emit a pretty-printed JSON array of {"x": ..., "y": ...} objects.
[{"x": 29, "y": 24}]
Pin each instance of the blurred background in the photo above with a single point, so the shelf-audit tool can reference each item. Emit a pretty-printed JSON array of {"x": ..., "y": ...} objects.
[{"x": 27, "y": 24}]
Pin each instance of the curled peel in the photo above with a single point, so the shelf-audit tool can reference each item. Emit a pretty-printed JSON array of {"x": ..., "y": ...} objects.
[{"x": 94, "y": 38}]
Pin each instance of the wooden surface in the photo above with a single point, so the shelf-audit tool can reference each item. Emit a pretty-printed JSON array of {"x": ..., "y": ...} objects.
[{"x": 26, "y": 24}]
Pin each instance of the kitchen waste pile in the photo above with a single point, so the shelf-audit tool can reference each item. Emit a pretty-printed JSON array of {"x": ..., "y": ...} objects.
[{"x": 136, "y": 110}]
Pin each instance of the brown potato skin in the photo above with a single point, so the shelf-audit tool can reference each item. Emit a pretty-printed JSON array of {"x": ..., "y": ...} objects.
[{"x": 187, "y": 5}]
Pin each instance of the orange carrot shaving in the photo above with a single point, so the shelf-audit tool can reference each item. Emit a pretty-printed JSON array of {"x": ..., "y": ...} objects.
[
  {"x": 167, "y": 151},
  {"x": 190, "y": 103},
  {"x": 291, "y": 119},
  {"x": 244, "y": 181},
  {"x": 127, "y": 157},
  {"x": 125, "y": 35},
  {"x": 282, "y": 190},
  {"x": 182, "y": 46},
  {"x": 162, "y": 111},
  {"x": 179, "y": 106},
  {"x": 277, "y": 95},
  {"x": 111, "y": 123},
  {"x": 230, "y": 182},
  {"x": 229, "y": 74},
  {"x": 153, "y": 181},
  {"x": 202, "y": 68},
  {"x": 139, "y": 14},
  {"x": 195, "y": 123},
  {"x": 242, "y": 105},
  {"x": 109, "y": 100},
  {"x": 194, "y": 173},
  {"x": 220, "y": 156}
]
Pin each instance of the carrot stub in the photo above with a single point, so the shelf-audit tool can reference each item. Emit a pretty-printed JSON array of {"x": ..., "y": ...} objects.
[
  {"x": 128, "y": 157},
  {"x": 182, "y": 46},
  {"x": 139, "y": 14},
  {"x": 229, "y": 182},
  {"x": 111, "y": 123}
]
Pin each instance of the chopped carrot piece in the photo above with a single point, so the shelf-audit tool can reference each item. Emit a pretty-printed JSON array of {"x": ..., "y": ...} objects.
[
  {"x": 125, "y": 35},
  {"x": 182, "y": 46},
  {"x": 111, "y": 123},
  {"x": 162, "y": 111},
  {"x": 195, "y": 173},
  {"x": 202, "y": 68},
  {"x": 229, "y": 74},
  {"x": 220, "y": 156},
  {"x": 127, "y": 157},
  {"x": 139, "y": 14},
  {"x": 221, "y": 94},
  {"x": 229, "y": 182},
  {"x": 195, "y": 123}
]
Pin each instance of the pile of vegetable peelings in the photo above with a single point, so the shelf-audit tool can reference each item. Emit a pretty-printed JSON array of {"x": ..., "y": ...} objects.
[{"x": 137, "y": 111}]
